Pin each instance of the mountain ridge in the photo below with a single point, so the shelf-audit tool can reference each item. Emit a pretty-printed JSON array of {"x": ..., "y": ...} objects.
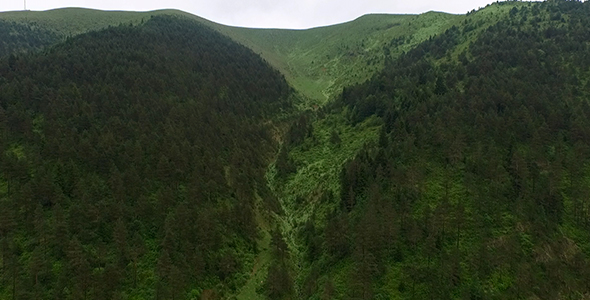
[
  {"x": 23, "y": 15},
  {"x": 337, "y": 59},
  {"x": 432, "y": 156},
  {"x": 139, "y": 153},
  {"x": 450, "y": 195}
]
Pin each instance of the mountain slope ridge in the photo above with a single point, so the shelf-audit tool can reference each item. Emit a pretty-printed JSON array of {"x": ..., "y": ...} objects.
[
  {"x": 470, "y": 179},
  {"x": 318, "y": 62}
]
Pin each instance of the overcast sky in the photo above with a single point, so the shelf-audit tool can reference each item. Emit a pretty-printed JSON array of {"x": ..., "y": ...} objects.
[{"x": 264, "y": 13}]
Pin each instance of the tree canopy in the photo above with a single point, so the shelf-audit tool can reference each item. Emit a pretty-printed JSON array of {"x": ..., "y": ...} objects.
[{"x": 130, "y": 161}]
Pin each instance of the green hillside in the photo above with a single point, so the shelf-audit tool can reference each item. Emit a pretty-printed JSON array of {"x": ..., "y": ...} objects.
[
  {"x": 317, "y": 62},
  {"x": 132, "y": 164},
  {"x": 469, "y": 176},
  {"x": 19, "y": 38},
  {"x": 74, "y": 21},
  {"x": 430, "y": 156}
]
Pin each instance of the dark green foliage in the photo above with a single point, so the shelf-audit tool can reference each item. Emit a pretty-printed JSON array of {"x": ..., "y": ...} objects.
[
  {"x": 18, "y": 38},
  {"x": 477, "y": 186},
  {"x": 130, "y": 157},
  {"x": 299, "y": 130},
  {"x": 335, "y": 138},
  {"x": 284, "y": 164},
  {"x": 278, "y": 283},
  {"x": 132, "y": 151}
]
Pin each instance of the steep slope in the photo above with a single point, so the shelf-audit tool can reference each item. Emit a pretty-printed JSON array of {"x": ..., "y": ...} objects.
[
  {"x": 459, "y": 171},
  {"x": 132, "y": 160},
  {"x": 472, "y": 176},
  {"x": 318, "y": 62}
]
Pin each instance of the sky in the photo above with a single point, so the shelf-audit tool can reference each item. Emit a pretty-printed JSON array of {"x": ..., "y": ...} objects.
[{"x": 296, "y": 14}]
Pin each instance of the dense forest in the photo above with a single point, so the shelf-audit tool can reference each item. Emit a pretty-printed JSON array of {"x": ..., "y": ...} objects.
[
  {"x": 163, "y": 160},
  {"x": 132, "y": 161},
  {"x": 477, "y": 187},
  {"x": 19, "y": 37}
]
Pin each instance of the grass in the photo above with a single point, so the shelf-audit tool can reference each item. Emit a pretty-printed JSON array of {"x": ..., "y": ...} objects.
[
  {"x": 317, "y": 62},
  {"x": 319, "y": 162},
  {"x": 318, "y": 166}
]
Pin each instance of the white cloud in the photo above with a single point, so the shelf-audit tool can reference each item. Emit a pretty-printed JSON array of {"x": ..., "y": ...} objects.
[{"x": 264, "y": 13}]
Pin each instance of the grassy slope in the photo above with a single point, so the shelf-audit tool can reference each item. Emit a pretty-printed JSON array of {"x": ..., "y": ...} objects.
[
  {"x": 302, "y": 195},
  {"x": 318, "y": 62},
  {"x": 260, "y": 263},
  {"x": 319, "y": 162}
]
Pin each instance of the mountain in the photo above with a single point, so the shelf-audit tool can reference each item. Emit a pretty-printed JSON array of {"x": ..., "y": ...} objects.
[
  {"x": 471, "y": 178},
  {"x": 18, "y": 38},
  {"x": 161, "y": 155},
  {"x": 133, "y": 162},
  {"x": 318, "y": 62}
]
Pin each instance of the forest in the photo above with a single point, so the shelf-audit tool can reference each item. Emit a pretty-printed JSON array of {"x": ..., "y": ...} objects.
[
  {"x": 17, "y": 38},
  {"x": 131, "y": 158},
  {"x": 477, "y": 187},
  {"x": 164, "y": 160}
]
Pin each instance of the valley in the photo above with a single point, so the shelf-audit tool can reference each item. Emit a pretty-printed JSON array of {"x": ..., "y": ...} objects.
[{"x": 159, "y": 155}]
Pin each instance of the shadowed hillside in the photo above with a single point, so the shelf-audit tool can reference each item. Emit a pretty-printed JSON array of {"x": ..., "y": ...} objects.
[{"x": 132, "y": 163}]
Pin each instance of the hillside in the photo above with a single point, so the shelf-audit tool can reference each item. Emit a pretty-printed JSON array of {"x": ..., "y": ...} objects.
[
  {"x": 317, "y": 62},
  {"x": 391, "y": 157},
  {"x": 19, "y": 38},
  {"x": 132, "y": 163},
  {"x": 470, "y": 178},
  {"x": 74, "y": 21}
]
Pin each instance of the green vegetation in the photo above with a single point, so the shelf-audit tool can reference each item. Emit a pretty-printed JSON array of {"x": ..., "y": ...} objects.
[
  {"x": 74, "y": 21},
  {"x": 475, "y": 187},
  {"x": 131, "y": 161},
  {"x": 17, "y": 38},
  {"x": 432, "y": 156},
  {"x": 317, "y": 62}
]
